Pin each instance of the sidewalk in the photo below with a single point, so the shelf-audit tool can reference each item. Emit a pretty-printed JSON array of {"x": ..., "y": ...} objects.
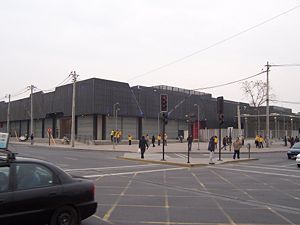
[{"x": 179, "y": 158}]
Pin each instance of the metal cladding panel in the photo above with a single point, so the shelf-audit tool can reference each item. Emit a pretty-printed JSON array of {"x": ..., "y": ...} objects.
[
  {"x": 20, "y": 109},
  {"x": 85, "y": 126},
  {"x": 107, "y": 93},
  {"x": 85, "y": 97},
  {"x": 172, "y": 129},
  {"x": 99, "y": 127},
  {"x": 24, "y": 129},
  {"x": 38, "y": 128},
  {"x": 3, "y": 111},
  {"x": 48, "y": 103},
  {"x": 150, "y": 127},
  {"x": 111, "y": 125},
  {"x": 3, "y": 127},
  {"x": 15, "y": 128},
  {"x": 62, "y": 100},
  {"x": 38, "y": 105},
  {"x": 48, "y": 124},
  {"x": 129, "y": 126}
]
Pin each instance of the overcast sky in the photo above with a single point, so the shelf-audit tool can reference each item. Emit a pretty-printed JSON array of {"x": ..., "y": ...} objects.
[{"x": 41, "y": 42}]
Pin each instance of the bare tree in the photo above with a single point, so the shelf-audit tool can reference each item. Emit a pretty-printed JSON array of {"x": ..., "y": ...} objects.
[{"x": 256, "y": 91}]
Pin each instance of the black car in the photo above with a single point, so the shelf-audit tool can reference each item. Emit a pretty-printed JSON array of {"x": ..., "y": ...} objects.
[
  {"x": 36, "y": 192},
  {"x": 294, "y": 151}
]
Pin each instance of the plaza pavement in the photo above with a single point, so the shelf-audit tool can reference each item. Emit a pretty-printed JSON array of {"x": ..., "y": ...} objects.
[{"x": 175, "y": 152}]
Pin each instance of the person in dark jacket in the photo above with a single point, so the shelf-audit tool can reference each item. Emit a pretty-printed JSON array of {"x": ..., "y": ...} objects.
[
  {"x": 190, "y": 141},
  {"x": 211, "y": 148},
  {"x": 153, "y": 141},
  {"x": 142, "y": 145}
]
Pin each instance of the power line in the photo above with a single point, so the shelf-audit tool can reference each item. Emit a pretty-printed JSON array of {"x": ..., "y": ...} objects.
[
  {"x": 284, "y": 65},
  {"x": 288, "y": 102},
  {"x": 67, "y": 79},
  {"x": 213, "y": 45},
  {"x": 229, "y": 83}
]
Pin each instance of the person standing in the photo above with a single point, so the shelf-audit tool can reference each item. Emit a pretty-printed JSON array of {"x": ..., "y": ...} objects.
[
  {"x": 142, "y": 145},
  {"x": 153, "y": 141},
  {"x": 31, "y": 138},
  {"x": 236, "y": 147},
  {"x": 285, "y": 141},
  {"x": 190, "y": 141},
  {"x": 216, "y": 142},
  {"x": 158, "y": 139},
  {"x": 211, "y": 148},
  {"x": 129, "y": 139},
  {"x": 112, "y": 133}
]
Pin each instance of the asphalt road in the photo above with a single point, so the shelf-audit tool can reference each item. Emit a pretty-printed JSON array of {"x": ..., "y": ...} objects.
[{"x": 265, "y": 191}]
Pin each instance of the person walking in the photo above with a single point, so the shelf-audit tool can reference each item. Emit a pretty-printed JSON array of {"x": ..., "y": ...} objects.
[
  {"x": 285, "y": 141},
  {"x": 142, "y": 145},
  {"x": 158, "y": 139},
  {"x": 153, "y": 141},
  {"x": 190, "y": 141},
  {"x": 211, "y": 148},
  {"x": 129, "y": 139},
  {"x": 112, "y": 134},
  {"x": 236, "y": 147},
  {"x": 225, "y": 142},
  {"x": 216, "y": 142}
]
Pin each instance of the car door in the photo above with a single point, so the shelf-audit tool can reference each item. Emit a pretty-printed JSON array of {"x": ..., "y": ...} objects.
[
  {"x": 6, "y": 207},
  {"x": 37, "y": 192}
]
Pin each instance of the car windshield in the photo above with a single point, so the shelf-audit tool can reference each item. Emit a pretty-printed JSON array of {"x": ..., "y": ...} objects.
[{"x": 296, "y": 146}]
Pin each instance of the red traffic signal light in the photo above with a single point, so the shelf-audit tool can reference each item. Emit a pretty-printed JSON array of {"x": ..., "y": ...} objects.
[{"x": 164, "y": 103}]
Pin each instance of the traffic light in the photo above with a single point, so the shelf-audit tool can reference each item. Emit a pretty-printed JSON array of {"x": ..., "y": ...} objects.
[
  {"x": 165, "y": 118},
  {"x": 221, "y": 119},
  {"x": 164, "y": 103},
  {"x": 220, "y": 105}
]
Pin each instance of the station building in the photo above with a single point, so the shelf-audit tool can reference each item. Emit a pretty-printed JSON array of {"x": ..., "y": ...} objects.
[{"x": 105, "y": 105}]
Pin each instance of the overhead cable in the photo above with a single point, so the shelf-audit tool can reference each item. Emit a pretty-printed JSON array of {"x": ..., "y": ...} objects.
[{"x": 213, "y": 45}]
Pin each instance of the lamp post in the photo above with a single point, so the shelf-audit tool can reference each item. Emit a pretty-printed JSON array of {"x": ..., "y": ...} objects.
[
  {"x": 275, "y": 133},
  {"x": 115, "y": 115},
  {"x": 291, "y": 127},
  {"x": 198, "y": 124}
]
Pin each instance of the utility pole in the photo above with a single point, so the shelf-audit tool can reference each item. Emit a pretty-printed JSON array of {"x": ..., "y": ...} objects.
[
  {"x": 31, "y": 112},
  {"x": 198, "y": 124},
  {"x": 74, "y": 75},
  {"x": 267, "y": 109},
  {"x": 8, "y": 116},
  {"x": 239, "y": 119}
]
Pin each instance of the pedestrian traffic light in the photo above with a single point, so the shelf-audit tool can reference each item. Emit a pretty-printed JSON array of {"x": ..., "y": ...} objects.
[{"x": 164, "y": 103}]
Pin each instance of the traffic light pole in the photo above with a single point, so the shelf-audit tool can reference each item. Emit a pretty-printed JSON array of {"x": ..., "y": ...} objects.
[
  {"x": 220, "y": 142},
  {"x": 163, "y": 138}
]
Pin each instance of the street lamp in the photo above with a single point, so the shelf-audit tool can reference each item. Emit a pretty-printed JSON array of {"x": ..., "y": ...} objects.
[{"x": 198, "y": 124}]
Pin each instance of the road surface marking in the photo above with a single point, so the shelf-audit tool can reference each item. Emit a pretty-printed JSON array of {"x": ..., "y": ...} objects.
[
  {"x": 108, "y": 168},
  {"x": 132, "y": 172},
  {"x": 257, "y": 172},
  {"x": 74, "y": 159},
  {"x": 270, "y": 168},
  {"x": 110, "y": 211},
  {"x": 181, "y": 155}
]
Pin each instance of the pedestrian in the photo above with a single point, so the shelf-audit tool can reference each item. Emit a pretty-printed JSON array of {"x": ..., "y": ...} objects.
[
  {"x": 180, "y": 138},
  {"x": 257, "y": 141},
  {"x": 261, "y": 142},
  {"x": 236, "y": 147},
  {"x": 292, "y": 141},
  {"x": 153, "y": 141},
  {"x": 147, "y": 139},
  {"x": 211, "y": 148},
  {"x": 285, "y": 141},
  {"x": 129, "y": 139},
  {"x": 216, "y": 142},
  {"x": 31, "y": 138},
  {"x": 142, "y": 145},
  {"x": 225, "y": 142},
  {"x": 190, "y": 141},
  {"x": 158, "y": 139},
  {"x": 296, "y": 139},
  {"x": 112, "y": 133},
  {"x": 229, "y": 142}
]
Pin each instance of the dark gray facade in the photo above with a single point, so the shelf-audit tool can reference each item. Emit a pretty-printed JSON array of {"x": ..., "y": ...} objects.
[{"x": 139, "y": 111}]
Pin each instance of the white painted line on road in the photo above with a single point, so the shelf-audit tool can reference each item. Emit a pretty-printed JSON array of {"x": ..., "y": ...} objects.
[
  {"x": 294, "y": 164},
  {"x": 74, "y": 159},
  {"x": 257, "y": 172},
  {"x": 271, "y": 168},
  {"x": 133, "y": 172},
  {"x": 180, "y": 155},
  {"x": 108, "y": 168}
]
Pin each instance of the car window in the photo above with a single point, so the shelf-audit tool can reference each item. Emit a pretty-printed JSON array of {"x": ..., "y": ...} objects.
[
  {"x": 296, "y": 146},
  {"x": 4, "y": 178},
  {"x": 33, "y": 176}
]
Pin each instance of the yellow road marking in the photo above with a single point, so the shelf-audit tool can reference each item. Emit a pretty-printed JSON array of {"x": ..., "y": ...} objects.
[{"x": 109, "y": 212}]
